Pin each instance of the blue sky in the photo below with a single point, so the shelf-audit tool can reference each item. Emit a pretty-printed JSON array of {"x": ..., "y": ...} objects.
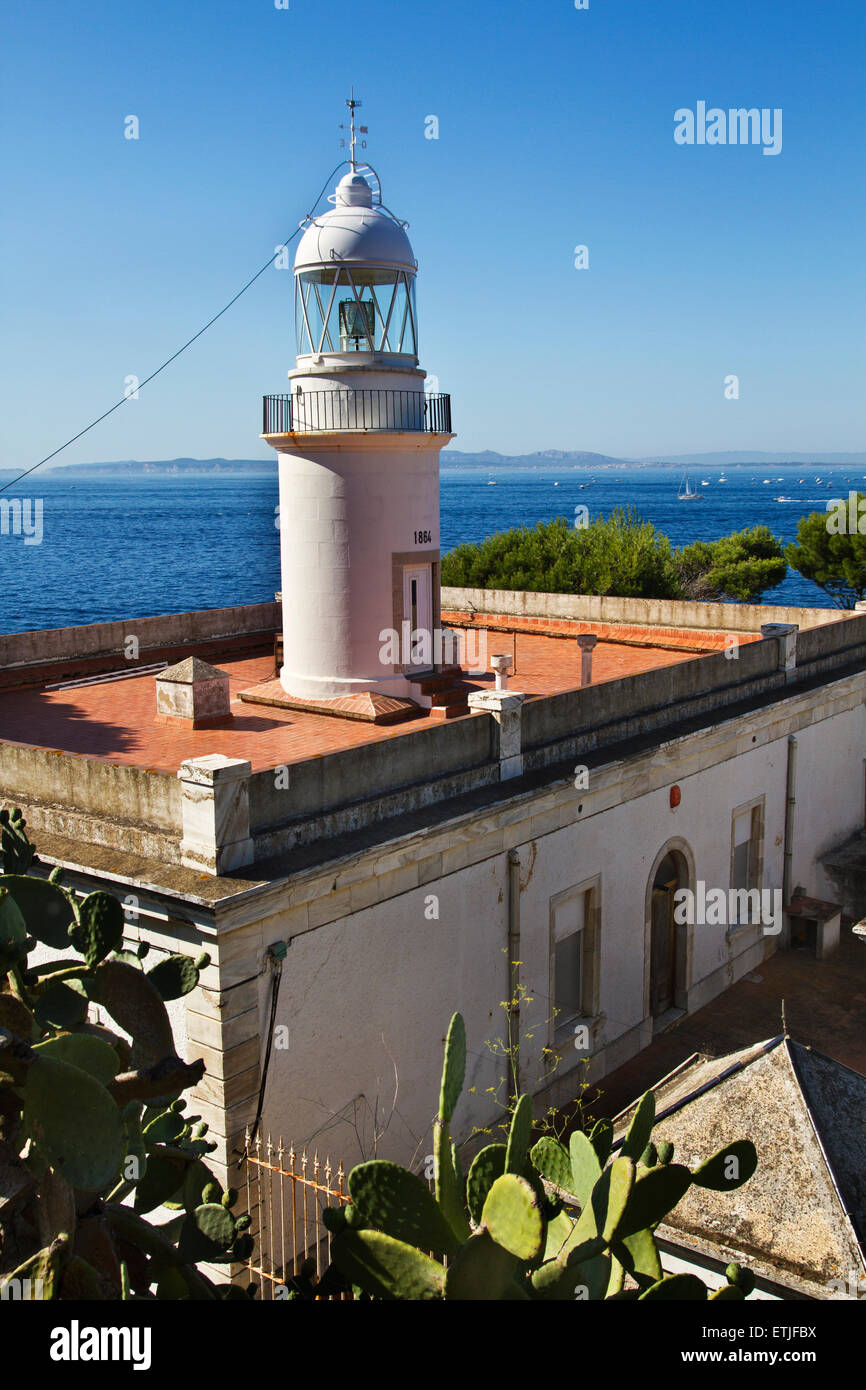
[{"x": 555, "y": 130}]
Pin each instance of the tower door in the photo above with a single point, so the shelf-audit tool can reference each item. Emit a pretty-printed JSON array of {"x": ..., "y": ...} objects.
[
  {"x": 418, "y": 617},
  {"x": 663, "y": 947}
]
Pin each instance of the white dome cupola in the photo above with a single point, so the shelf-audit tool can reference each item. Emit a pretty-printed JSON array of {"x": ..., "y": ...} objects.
[{"x": 355, "y": 283}]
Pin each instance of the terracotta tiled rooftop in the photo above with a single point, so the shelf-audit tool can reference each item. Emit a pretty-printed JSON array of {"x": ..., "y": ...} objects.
[{"x": 115, "y": 720}]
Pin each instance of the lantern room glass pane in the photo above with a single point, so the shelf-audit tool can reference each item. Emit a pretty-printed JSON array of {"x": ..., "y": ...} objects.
[{"x": 355, "y": 310}]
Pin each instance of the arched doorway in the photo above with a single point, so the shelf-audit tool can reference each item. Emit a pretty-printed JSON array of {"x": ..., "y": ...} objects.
[{"x": 668, "y": 945}]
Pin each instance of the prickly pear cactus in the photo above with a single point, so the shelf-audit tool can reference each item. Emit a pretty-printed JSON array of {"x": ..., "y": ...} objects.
[
  {"x": 504, "y": 1236},
  {"x": 93, "y": 1129},
  {"x": 17, "y": 851}
]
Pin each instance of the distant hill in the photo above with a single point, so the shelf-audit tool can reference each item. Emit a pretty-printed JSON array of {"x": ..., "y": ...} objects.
[
  {"x": 489, "y": 459},
  {"x": 135, "y": 467},
  {"x": 740, "y": 456}
]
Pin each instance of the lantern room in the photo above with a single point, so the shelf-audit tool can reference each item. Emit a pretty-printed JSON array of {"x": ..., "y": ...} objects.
[{"x": 355, "y": 283}]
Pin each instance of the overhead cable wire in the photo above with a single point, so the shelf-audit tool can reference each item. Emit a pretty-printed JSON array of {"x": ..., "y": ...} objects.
[{"x": 174, "y": 356}]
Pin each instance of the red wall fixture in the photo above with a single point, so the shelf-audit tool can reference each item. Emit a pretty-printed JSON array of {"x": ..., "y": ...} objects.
[{"x": 676, "y": 797}]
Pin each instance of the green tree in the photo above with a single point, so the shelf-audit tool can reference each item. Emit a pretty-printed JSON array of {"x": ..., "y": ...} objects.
[
  {"x": 835, "y": 560},
  {"x": 740, "y": 566},
  {"x": 620, "y": 555}
]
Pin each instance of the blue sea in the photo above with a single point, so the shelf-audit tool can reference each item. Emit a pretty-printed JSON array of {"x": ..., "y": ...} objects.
[{"x": 164, "y": 544}]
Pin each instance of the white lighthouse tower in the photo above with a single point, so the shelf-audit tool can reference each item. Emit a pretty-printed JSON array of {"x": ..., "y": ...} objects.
[{"x": 358, "y": 440}]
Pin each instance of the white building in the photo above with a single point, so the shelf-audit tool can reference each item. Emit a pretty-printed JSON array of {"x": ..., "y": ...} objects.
[{"x": 395, "y": 874}]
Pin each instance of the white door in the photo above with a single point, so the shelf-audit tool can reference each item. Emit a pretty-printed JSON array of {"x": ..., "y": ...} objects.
[{"x": 417, "y": 635}]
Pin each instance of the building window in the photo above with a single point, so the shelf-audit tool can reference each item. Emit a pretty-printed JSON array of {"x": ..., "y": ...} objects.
[
  {"x": 574, "y": 974},
  {"x": 747, "y": 846},
  {"x": 568, "y": 973}
]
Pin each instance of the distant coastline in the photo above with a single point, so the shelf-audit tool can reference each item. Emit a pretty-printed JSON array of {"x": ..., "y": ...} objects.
[
  {"x": 489, "y": 459},
  {"x": 134, "y": 468}
]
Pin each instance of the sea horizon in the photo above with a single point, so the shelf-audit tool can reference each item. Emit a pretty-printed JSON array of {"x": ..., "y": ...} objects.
[{"x": 115, "y": 548}]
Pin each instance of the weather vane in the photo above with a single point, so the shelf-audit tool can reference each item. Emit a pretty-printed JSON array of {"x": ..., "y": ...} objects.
[{"x": 353, "y": 136}]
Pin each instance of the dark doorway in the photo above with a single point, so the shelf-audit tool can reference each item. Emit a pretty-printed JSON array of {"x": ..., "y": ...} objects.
[{"x": 663, "y": 949}]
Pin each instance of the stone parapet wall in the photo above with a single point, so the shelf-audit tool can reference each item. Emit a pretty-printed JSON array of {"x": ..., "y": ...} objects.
[
  {"x": 34, "y": 658},
  {"x": 643, "y": 612}
]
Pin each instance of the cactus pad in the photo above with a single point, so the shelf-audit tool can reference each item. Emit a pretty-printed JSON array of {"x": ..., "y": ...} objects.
[
  {"x": 174, "y": 976},
  {"x": 47, "y": 909},
  {"x": 453, "y": 1069},
  {"x": 99, "y": 929},
  {"x": 519, "y": 1132},
  {"x": 84, "y": 1051},
  {"x": 207, "y": 1233},
  {"x": 136, "y": 1006},
  {"x": 163, "y": 1177},
  {"x": 487, "y": 1165},
  {"x": 482, "y": 1271},
  {"x": 552, "y": 1161},
  {"x": 585, "y": 1167},
  {"x": 400, "y": 1204},
  {"x": 601, "y": 1138},
  {"x": 13, "y": 932},
  {"x": 683, "y": 1287},
  {"x": 512, "y": 1215},
  {"x": 640, "y": 1129},
  {"x": 74, "y": 1123},
  {"x": 386, "y": 1268},
  {"x": 654, "y": 1195},
  {"x": 18, "y": 853},
  {"x": 449, "y": 1181},
  {"x": 62, "y": 1004}
]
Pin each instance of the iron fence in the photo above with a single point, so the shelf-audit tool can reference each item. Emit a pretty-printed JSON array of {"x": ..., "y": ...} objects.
[
  {"x": 303, "y": 411},
  {"x": 286, "y": 1194}
]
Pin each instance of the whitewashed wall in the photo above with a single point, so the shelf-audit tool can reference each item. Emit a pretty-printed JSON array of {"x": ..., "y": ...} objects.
[{"x": 382, "y": 983}]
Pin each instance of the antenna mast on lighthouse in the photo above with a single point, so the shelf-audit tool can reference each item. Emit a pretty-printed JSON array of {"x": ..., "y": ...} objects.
[{"x": 353, "y": 137}]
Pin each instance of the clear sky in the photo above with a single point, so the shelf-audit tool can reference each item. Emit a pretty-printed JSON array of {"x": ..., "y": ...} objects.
[{"x": 556, "y": 129}]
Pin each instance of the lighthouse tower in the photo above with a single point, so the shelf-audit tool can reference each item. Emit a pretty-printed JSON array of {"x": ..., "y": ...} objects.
[{"x": 358, "y": 441}]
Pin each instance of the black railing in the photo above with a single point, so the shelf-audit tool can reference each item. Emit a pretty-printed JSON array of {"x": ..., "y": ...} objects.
[{"x": 356, "y": 410}]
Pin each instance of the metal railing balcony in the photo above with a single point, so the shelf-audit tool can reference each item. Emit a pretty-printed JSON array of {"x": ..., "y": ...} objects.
[{"x": 306, "y": 411}]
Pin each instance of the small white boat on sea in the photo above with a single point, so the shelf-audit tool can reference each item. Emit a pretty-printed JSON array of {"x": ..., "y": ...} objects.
[{"x": 687, "y": 493}]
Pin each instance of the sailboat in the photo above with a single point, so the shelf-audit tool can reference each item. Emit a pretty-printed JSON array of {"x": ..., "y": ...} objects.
[{"x": 686, "y": 493}]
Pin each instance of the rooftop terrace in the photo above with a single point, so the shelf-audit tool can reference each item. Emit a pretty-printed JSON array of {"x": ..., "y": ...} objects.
[
  {"x": 116, "y": 719},
  {"x": 90, "y": 762}
]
